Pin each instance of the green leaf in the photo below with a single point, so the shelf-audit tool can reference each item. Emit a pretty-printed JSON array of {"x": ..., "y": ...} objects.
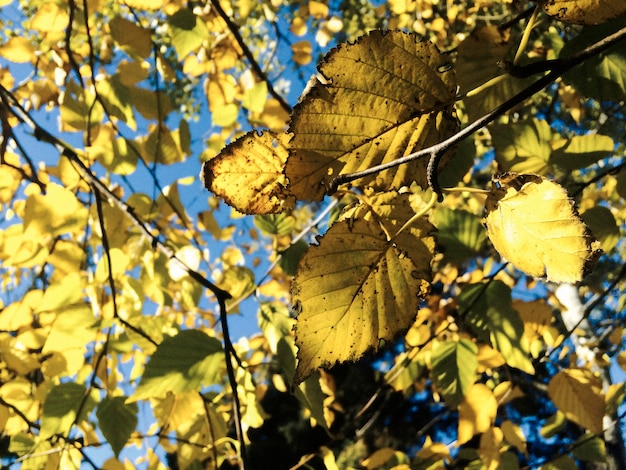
[
  {"x": 290, "y": 258},
  {"x": 276, "y": 324},
  {"x": 188, "y": 32},
  {"x": 61, "y": 407},
  {"x": 602, "y": 77},
  {"x": 580, "y": 151},
  {"x": 117, "y": 421},
  {"x": 479, "y": 59},
  {"x": 116, "y": 98},
  {"x": 565, "y": 462},
  {"x": 275, "y": 224},
  {"x": 459, "y": 233},
  {"x": 387, "y": 95},
  {"x": 589, "y": 448},
  {"x": 522, "y": 147},
  {"x": 353, "y": 290},
  {"x": 490, "y": 313},
  {"x": 603, "y": 225},
  {"x": 181, "y": 363},
  {"x": 454, "y": 365}
]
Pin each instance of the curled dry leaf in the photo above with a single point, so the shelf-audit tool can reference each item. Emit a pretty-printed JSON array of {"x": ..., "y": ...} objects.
[
  {"x": 533, "y": 223},
  {"x": 248, "y": 174},
  {"x": 585, "y": 11}
]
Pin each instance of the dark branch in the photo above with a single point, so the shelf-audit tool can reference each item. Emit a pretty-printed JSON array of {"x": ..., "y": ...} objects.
[{"x": 234, "y": 29}]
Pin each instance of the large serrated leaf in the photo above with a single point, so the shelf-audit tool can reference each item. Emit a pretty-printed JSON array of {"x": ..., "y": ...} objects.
[
  {"x": 353, "y": 290},
  {"x": 248, "y": 174},
  {"x": 181, "y": 363},
  {"x": 381, "y": 98},
  {"x": 578, "y": 394},
  {"x": 454, "y": 366},
  {"x": 532, "y": 223},
  {"x": 489, "y": 312},
  {"x": 117, "y": 421}
]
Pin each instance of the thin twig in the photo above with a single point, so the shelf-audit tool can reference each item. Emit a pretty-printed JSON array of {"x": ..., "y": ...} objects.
[
  {"x": 436, "y": 151},
  {"x": 234, "y": 29}
]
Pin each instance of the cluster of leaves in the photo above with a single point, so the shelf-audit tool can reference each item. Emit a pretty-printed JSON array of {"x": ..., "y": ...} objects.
[{"x": 118, "y": 279}]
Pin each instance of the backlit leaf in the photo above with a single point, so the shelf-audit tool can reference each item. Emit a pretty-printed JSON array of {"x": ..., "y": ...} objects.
[
  {"x": 248, "y": 174},
  {"x": 181, "y": 363},
  {"x": 580, "y": 151},
  {"x": 131, "y": 37},
  {"x": 383, "y": 97},
  {"x": 489, "y": 312},
  {"x": 602, "y": 77},
  {"x": 454, "y": 366},
  {"x": 117, "y": 421},
  {"x": 532, "y": 223},
  {"x": 578, "y": 394},
  {"x": 61, "y": 406},
  {"x": 585, "y": 11},
  {"x": 459, "y": 233},
  {"x": 188, "y": 31},
  {"x": 479, "y": 61},
  {"x": 590, "y": 448},
  {"x": 476, "y": 412},
  {"x": 522, "y": 147},
  {"x": 353, "y": 290},
  {"x": 602, "y": 224},
  {"x": 51, "y": 214}
]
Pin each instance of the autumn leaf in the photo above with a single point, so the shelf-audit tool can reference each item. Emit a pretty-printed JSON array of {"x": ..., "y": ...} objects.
[
  {"x": 476, "y": 412},
  {"x": 585, "y": 11},
  {"x": 578, "y": 394},
  {"x": 353, "y": 291},
  {"x": 533, "y": 224},
  {"x": 454, "y": 365},
  {"x": 381, "y": 98},
  {"x": 248, "y": 174}
]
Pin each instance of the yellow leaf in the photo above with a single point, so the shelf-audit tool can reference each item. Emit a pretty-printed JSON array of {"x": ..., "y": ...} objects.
[
  {"x": 578, "y": 394},
  {"x": 248, "y": 174},
  {"x": 131, "y": 37},
  {"x": 585, "y": 11},
  {"x": 54, "y": 213},
  {"x": 50, "y": 18},
  {"x": 533, "y": 224},
  {"x": 302, "y": 52},
  {"x": 353, "y": 291},
  {"x": 514, "y": 436},
  {"x": 119, "y": 263},
  {"x": 318, "y": 10},
  {"x": 476, "y": 412},
  {"x": 145, "y": 4},
  {"x": 381, "y": 98},
  {"x": 489, "y": 450},
  {"x": 17, "y": 49}
]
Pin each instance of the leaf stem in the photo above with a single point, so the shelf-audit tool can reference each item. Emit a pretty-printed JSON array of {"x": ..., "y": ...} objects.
[
  {"x": 418, "y": 214},
  {"x": 529, "y": 27}
]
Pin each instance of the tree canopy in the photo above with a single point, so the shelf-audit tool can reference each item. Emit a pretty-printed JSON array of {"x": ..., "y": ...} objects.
[{"x": 312, "y": 234}]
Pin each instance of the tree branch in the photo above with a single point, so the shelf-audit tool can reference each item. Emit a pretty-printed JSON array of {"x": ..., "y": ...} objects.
[
  {"x": 436, "y": 151},
  {"x": 234, "y": 29}
]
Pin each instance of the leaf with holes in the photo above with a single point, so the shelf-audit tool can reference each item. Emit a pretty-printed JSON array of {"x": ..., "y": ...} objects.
[
  {"x": 354, "y": 291},
  {"x": 383, "y": 97},
  {"x": 248, "y": 174},
  {"x": 585, "y": 11}
]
